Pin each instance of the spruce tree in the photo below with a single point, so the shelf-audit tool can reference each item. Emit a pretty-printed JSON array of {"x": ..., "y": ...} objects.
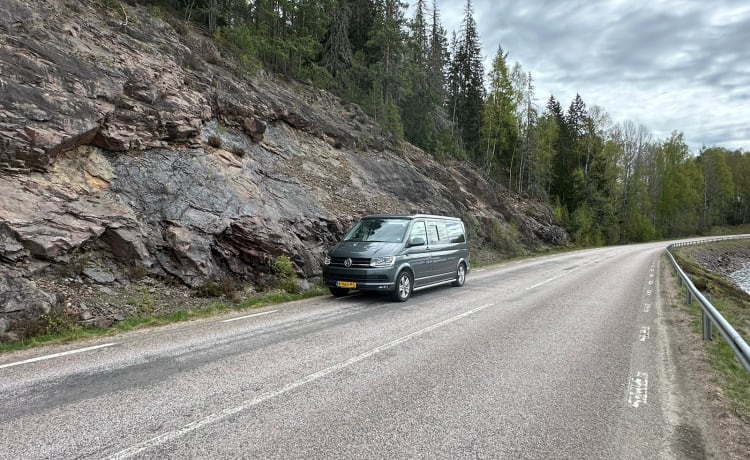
[
  {"x": 337, "y": 53},
  {"x": 468, "y": 82}
]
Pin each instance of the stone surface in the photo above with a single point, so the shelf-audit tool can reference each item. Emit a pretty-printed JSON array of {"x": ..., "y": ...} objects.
[{"x": 120, "y": 148}]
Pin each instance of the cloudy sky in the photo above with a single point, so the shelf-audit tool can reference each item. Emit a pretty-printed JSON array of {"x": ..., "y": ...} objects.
[{"x": 671, "y": 65}]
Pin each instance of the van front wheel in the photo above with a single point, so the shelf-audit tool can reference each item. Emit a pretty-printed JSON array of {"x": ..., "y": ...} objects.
[
  {"x": 460, "y": 275},
  {"x": 403, "y": 287}
]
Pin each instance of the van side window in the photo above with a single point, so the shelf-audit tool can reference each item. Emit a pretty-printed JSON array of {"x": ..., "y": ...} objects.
[
  {"x": 455, "y": 232},
  {"x": 418, "y": 231},
  {"x": 437, "y": 232},
  {"x": 432, "y": 233}
]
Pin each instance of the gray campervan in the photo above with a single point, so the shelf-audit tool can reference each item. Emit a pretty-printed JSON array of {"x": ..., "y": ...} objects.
[{"x": 398, "y": 254}]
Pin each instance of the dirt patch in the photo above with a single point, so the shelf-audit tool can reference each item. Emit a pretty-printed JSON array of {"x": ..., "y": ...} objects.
[{"x": 724, "y": 433}]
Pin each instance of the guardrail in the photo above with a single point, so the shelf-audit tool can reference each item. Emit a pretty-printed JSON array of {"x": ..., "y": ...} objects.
[{"x": 711, "y": 316}]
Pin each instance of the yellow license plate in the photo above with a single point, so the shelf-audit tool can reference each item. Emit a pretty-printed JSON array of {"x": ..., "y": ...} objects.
[{"x": 347, "y": 284}]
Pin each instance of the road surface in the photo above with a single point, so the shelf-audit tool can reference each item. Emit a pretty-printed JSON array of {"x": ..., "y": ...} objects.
[{"x": 562, "y": 356}]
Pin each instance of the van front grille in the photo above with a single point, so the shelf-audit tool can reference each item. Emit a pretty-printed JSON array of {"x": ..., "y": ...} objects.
[{"x": 356, "y": 262}]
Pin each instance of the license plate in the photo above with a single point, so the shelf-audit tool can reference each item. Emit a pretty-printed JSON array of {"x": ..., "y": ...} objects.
[{"x": 347, "y": 284}]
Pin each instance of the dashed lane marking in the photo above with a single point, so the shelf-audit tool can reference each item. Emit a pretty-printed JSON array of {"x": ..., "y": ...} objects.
[
  {"x": 248, "y": 316},
  {"x": 247, "y": 404}
]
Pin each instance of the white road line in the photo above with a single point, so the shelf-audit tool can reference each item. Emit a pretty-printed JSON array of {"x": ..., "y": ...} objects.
[
  {"x": 247, "y": 404},
  {"x": 545, "y": 281},
  {"x": 248, "y": 316},
  {"x": 644, "y": 333},
  {"x": 56, "y": 355},
  {"x": 562, "y": 274}
]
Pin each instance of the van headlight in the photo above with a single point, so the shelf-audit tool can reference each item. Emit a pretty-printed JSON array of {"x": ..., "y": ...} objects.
[
  {"x": 327, "y": 260},
  {"x": 382, "y": 261}
]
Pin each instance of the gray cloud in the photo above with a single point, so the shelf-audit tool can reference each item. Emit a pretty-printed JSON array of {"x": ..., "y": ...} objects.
[{"x": 669, "y": 65}]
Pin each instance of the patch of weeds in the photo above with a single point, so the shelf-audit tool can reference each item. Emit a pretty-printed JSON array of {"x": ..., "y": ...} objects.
[
  {"x": 155, "y": 12},
  {"x": 143, "y": 303},
  {"x": 238, "y": 151},
  {"x": 226, "y": 287},
  {"x": 504, "y": 238},
  {"x": 137, "y": 272},
  {"x": 736, "y": 380},
  {"x": 57, "y": 325},
  {"x": 214, "y": 141},
  {"x": 286, "y": 277}
]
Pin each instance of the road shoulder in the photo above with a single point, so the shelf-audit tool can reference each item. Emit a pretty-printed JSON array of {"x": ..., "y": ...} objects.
[{"x": 706, "y": 427}]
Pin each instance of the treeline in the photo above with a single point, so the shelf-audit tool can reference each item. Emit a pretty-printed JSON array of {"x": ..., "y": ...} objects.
[{"x": 609, "y": 182}]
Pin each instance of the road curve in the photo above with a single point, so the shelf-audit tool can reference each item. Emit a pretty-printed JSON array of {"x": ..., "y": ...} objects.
[{"x": 562, "y": 356}]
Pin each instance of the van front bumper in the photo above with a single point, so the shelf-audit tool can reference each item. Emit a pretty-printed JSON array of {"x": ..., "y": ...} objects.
[{"x": 366, "y": 279}]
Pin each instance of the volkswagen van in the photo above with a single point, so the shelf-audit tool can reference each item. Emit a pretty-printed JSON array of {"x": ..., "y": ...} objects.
[{"x": 398, "y": 254}]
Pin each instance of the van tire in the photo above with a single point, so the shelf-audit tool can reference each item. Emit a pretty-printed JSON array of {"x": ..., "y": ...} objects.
[
  {"x": 404, "y": 286},
  {"x": 460, "y": 275},
  {"x": 338, "y": 292}
]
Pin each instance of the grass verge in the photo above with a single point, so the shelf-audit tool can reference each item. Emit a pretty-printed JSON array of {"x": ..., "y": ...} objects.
[
  {"x": 72, "y": 331},
  {"x": 734, "y": 306}
]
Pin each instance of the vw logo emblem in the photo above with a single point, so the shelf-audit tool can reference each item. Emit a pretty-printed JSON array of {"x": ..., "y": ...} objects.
[{"x": 348, "y": 262}]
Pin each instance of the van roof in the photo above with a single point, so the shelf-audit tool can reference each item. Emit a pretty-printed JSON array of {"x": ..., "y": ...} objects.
[{"x": 409, "y": 216}]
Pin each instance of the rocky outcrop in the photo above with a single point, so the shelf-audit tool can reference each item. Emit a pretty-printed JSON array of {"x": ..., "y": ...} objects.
[{"x": 128, "y": 149}]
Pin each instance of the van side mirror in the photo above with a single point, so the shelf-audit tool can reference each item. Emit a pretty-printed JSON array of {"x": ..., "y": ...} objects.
[{"x": 417, "y": 241}]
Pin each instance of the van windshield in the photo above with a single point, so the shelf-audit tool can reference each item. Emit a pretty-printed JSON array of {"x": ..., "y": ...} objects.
[{"x": 381, "y": 230}]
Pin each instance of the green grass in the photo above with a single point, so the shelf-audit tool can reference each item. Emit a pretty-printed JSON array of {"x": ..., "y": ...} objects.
[
  {"x": 734, "y": 306},
  {"x": 74, "y": 332}
]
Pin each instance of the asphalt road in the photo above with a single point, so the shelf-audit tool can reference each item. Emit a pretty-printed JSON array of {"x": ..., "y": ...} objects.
[{"x": 562, "y": 356}]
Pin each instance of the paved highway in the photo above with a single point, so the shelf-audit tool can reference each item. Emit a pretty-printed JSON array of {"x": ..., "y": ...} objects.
[{"x": 562, "y": 356}]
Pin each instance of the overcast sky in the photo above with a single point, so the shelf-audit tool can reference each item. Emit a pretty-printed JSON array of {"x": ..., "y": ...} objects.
[{"x": 670, "y": 65}]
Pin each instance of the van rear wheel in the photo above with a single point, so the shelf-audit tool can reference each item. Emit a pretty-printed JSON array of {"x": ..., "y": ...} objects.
[
  {"x": 403, "y": 287},
  {"x": 460, "y": 275},
  {"x": 338, "y": 292}
]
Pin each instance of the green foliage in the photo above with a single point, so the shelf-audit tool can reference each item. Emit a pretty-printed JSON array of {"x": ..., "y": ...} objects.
[
  {"x": 143, "y": 302},
  {"x": 226, "y": 287},
  {"x": 238, "y": 151},
  {"x": 286, "y": 276},
  {"x": 610, "y": 184},
  {"x": 500, "y": 133},
  {"x": 504, "y": 238},
  {"x": 733, "y": 304}
]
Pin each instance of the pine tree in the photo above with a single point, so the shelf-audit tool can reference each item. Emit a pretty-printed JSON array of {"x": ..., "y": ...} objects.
[
  {"x": 438, "y": 56},
  {"x": 387, "y": 40},
  {"x": 468, "y": 75},
  {"x": 337, "y": 54},
  {"x": 418, "y": 103}
]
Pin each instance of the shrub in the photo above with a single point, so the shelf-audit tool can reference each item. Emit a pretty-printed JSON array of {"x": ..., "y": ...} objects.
[
  {"x": 214, "y": 141},
  {"x": 286, "y": 277},
  {"x": 225, "y": 287}
]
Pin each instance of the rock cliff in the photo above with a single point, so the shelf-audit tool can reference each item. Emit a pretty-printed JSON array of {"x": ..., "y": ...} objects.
[{"x": 133, "y": 147}]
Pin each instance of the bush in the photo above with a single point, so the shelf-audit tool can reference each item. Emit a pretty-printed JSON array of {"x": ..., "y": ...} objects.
[
  {"x": 226, "y": 287},
  {"x": 286, "y": 277},
  {"x": 214, "y": 141}
]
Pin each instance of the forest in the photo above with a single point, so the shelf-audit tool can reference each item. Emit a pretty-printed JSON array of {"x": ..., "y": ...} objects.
[{"x": 608, "y": 182}]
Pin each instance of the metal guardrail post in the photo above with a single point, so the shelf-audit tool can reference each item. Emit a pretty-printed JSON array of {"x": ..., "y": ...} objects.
[
  {"x": 706, "y": 327},
  {"x": 688, "y": 296},
  {"x": 706, "y": 321}
]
